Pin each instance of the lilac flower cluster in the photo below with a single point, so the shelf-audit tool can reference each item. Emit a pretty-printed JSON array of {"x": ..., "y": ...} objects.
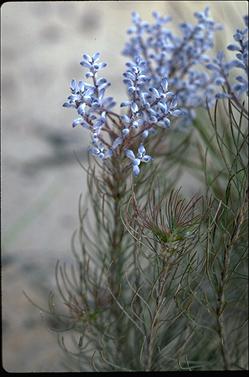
[
  {"x": 148, "y": 107},
  {"x": 159, "y": 60},
  {"x": 221, "y": 69},
  {"x": 91, "y": 104},
  {"x": 176, "y": 57}
]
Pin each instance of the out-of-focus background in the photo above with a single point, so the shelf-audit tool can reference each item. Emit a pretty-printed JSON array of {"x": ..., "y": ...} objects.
[{"x": 41, "y": 47}]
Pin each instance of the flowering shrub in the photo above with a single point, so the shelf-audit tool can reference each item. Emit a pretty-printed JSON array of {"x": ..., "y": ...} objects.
[{"x": 159, "y": 280}]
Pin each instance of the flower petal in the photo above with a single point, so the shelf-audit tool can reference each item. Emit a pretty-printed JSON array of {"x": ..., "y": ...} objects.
[
  {"x": 136, "y": 170},
  {"x": 129, "y": 153}
]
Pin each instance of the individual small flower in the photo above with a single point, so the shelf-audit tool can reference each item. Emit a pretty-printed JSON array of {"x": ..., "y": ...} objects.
[
  {"x": 142, "y": 154},
  {"x": 136, "y": 160},
  {"x": 100, "y": 151}
]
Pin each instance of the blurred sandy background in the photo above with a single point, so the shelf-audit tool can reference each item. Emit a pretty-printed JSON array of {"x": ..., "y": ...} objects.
[{"x": 41, "y": 47}]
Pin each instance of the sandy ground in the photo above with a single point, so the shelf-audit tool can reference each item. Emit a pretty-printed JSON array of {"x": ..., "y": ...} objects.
[{"x": 41, "y": 47}]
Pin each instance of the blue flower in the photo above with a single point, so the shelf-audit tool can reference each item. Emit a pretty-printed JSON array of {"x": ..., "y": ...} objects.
[
  {"x": 136, "y": 161},
  {"x": 100, "y": 151}
]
